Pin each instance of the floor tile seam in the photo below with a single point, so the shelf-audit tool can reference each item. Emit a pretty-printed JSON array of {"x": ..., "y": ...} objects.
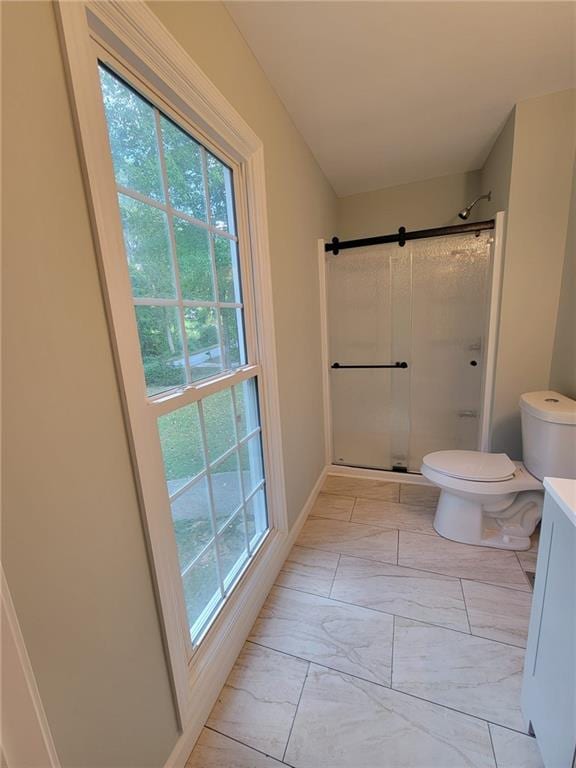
[
  {"x": 397, "y": 690},
  {"x": 352, "y": 495},
  {"x": 512, "y": 730},
  {"x": 383, "y": 528},
  {"x": 511, "y": 587},
  {"x": 461, "y": 632},
  {"x": 467, "y": 578},
  {"x": 353, "y": 508},
  {"x": 522, "y": 567},
  {"x": 501, "y": 586},
  {"x": 420, "y": 570},
  {"x": 454, "y": 709},
  {"x": 401, "y": 616},
  {"x": 334, "y": 577},
  {"x": 465, "y": 606},
  {"x": 320, "y": 664},
  {"x": 242, "y": 743},
  {"x": 296, "y": 711},
  {"x": 392, "y": 652},
  {"x": 382, "y": 613},
  {"x": 492, "y": 745},
  {"x": 418, "y": 621},
  {"x": 312, "y": 516}
]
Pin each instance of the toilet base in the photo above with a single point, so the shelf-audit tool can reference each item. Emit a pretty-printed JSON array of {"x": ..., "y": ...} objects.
[{"x": 509, "y": 526}]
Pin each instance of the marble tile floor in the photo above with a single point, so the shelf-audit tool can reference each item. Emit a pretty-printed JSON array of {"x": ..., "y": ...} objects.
[{"x": 381, "y": 645}]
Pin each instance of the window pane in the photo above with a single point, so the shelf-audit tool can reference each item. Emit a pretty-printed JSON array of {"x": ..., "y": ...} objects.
[
  {"x": 192, "y": 521},
  {"x": 203, "y": 346},
  {"x": 201, "y": 587},
  {"x": 161, "y": 347},
  {"x": 194, "y": 262},
  {"x": 184, "y": 170},
  {"x": 251, "y": 464},
  {"x": 232, "y": 548},
  {"x": 220, "y": 192},
  {"x": 233, "y": 338},
  {"x": 132, "y": 135},
  {"x": 226, "y": 254},
  {"x": 147, "y": 245},
  {"x": 247, "y": 417},
  {"x": 219, "y": 423},
  {"x": 181, "y": 441},
  {"x": 256, "y": 517},
  {"x": 226, "y": 489}
]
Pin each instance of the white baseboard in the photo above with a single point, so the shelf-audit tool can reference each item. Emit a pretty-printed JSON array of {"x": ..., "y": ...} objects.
[
  {"x": 376, "y": 474},
  {"x": 231, "y": 630}
]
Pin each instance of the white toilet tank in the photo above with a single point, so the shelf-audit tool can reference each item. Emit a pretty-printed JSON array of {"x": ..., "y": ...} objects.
[{"x": 549, "y": 434}]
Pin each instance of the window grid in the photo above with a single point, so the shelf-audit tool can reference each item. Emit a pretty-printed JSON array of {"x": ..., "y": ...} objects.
[
  {"x": 226, "y": 581},
  {"x": 214, "y": 464},
  {"x": 179, "y": 302},
  {"x": 242, "y": 487},
  {"x": 211, "y": 500},
  {"x": 171, "y": 211},
  {"x": 140, "y": 301},
  {"x": 213, "y": 255},
  {"x": 210, "y": 543},
  {"x": 173, "y": 257}
]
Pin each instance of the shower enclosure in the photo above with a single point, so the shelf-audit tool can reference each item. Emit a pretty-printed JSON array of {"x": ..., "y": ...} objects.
[{"x": 422, "y": 308}]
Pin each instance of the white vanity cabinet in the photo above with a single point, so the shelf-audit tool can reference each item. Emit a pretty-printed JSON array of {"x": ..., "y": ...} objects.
[{"x": 549, "y": 687}]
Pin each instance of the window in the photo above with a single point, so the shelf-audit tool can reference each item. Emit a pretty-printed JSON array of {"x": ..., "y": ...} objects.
[{"x": 176, "y": 203}]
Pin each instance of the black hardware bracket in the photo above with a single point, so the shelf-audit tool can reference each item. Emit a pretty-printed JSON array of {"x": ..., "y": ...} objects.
[{"x": 403, "y": 364}]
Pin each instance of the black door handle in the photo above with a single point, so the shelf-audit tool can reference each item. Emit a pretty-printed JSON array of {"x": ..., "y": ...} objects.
[{"x": 383, "y": 365}]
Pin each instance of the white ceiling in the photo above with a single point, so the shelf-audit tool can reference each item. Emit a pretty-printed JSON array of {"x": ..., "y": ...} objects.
[{"x": 387, "y": 93}]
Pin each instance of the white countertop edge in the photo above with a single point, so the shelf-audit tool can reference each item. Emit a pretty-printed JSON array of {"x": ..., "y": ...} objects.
[{"x": 563, "y": 492}]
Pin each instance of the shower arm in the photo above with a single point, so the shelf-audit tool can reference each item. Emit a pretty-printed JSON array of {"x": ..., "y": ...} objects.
[
  {"x": 465, "y": 212},
  {"x": 487, "y": 196}
]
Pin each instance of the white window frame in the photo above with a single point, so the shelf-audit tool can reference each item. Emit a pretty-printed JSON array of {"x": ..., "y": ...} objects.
[{"x": 134, "y": 36}]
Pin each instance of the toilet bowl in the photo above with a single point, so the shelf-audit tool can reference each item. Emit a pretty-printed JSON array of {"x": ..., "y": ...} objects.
[{"x": 488, "y": 500}]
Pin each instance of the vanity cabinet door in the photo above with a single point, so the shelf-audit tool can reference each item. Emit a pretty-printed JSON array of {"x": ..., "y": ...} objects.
[{"x": 549, "y": 688}]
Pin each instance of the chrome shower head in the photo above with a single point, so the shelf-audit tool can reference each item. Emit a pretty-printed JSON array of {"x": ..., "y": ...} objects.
[{"x": 465, "y": 212}]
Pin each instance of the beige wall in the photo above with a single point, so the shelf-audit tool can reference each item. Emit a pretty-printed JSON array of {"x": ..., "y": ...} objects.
[
  {"x": 497, "y": 171},
  {"x": 73, "y": 543},
  {"x": 301, "y": 208},
  {"x": 422, "y": 204},
  {"x": 563, "y": 373},
  {"x": 73, "y": 546},
  {"x": 539, "y": 199}
]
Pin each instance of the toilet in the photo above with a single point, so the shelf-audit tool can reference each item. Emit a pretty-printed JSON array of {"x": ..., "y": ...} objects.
[{"x": 491, "y": 501}]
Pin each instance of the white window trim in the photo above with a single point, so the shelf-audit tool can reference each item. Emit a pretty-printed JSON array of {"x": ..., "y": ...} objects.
[{"x": 140, "y": 39}]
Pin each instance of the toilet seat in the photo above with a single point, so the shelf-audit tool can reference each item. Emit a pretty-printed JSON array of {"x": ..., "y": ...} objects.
[
  {"x": 521, "y": 480},
  {"x": 477, "y": 466}
]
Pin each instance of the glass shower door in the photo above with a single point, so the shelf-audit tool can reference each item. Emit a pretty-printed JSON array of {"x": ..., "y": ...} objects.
[
  {"x": 369, "y": 325},
  {"x": 449, "y": 303},
  {"x": 423, "y": 304}
]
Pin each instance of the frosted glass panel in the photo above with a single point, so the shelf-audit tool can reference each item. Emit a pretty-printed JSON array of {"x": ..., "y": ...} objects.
[
  {"x": 449, "y": 299},
  {"x": 424, "y": 304},
  {"x": 360, "y": 329}
]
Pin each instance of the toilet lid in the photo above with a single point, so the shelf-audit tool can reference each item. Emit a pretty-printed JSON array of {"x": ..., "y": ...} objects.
[{"x": 471, "y": 465}]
